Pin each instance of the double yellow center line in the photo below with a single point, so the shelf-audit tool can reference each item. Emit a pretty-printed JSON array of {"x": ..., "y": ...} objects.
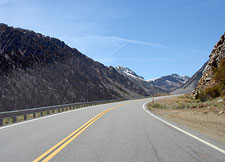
[{"x": 48, "y": 155}]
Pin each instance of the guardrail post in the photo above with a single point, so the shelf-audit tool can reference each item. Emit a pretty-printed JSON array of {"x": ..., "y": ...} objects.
[
  {"x": 1, "y": 121},
  {"x": 14, "y": 119},
  {"x": 25, "y": 117}
]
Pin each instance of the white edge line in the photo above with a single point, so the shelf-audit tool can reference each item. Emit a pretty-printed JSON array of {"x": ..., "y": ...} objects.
[
  {"x": 48, "y": 116},
  {"x": 185, "y": 132}
]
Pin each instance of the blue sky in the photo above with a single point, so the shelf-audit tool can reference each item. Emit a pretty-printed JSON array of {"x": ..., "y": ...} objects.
[{"x": 151, "y": 37}]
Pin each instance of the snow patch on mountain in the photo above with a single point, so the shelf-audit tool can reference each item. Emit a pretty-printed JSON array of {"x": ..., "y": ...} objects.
[
  {"x": 167, "y": 83},
  {"x": 129, "y": 72},
  {"x": 149, "y": 80}
]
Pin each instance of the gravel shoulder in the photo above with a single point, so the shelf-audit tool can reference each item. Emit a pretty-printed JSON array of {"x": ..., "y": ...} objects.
[{"x": 202, "y": 119}]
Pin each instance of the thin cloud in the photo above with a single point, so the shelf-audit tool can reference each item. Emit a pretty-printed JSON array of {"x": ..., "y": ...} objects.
[
  {"x": 145, "y": 59},
  {"x": 117, "y": 49},
  {"x": 154, "y": 59},
  {"x": 133, "y": 41}
]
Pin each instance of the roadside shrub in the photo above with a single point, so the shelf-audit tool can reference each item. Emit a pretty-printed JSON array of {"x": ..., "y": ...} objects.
[
  {"x": 160, "y": 106},
  {"x": 213, "y": 91},
  {"x": 223, "y": 93},
  {"x": 220, "y": 78},
  {"x": 219, "y": 88},
  {"x": 181, "y": 106},
  {"x": 156, "y": 105},
  {"x": 220, "y": 73},
  {"x": 201, "y": 96}
]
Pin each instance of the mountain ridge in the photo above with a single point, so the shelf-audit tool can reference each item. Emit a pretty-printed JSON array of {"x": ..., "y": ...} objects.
[
  {"x": 212, "y": 81},
  {"x": 165, "y": 83},
  {"x": 169, "y": 82},
  {"x": 38, "y": 70},
  {"x": 192, "y": 83}
]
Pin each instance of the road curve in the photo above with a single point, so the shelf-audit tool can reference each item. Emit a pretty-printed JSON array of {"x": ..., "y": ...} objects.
[{"x": 113, "y": 132}]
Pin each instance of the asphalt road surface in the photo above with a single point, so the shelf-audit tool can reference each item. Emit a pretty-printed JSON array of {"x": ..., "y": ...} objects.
[{"x": 116, "y": 132}]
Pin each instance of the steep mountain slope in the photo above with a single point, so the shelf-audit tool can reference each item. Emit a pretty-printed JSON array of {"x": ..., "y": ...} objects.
[
  {"x": 204, "y": 78},
  {"x": 218, "y": 53},
  {"x": 191, "y": 84},
  {"x": 211, "y": 76},
  {"x": 169, "y": 82},
  {"x": 37, "y": 70}
]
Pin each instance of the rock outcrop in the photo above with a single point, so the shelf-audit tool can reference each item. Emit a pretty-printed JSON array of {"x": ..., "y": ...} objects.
[{"x": 218, "y": 53}]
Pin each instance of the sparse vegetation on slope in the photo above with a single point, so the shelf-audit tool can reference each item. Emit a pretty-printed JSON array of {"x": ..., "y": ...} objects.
[
  {"x": 219, "y": 76},
  {"x": 217, "y": 89}
]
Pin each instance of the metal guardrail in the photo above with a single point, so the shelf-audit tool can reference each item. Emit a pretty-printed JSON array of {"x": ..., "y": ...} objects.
[{"x": 10, "y": 117}]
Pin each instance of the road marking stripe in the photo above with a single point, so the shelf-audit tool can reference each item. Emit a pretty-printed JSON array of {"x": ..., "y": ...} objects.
[
  {"x": 49, "y": 154},
  {"x": 185, "y": 132},
  {"x": 58, "y": 144},
  {"x": 70, "y": 140}
]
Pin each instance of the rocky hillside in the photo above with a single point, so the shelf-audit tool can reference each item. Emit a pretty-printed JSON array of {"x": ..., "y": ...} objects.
[
  {"x": 37, "y": 70},
  {"x": 205, "y": 78},
  {"x": 169, "y": 82},
  {"x": 212, "y": 82},
  {"x": 218, "y": 53}
]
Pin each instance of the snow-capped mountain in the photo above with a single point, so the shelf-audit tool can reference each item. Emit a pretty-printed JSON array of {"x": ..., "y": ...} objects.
[
  {"x": 169, "y": 82},
  {"x": 172, "y": 78},
  {"x": 127, "y": 71},
  {"x": 139, "y": 80}
]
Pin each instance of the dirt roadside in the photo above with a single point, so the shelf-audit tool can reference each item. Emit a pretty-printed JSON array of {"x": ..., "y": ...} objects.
[{"x": 202, "y": 119}]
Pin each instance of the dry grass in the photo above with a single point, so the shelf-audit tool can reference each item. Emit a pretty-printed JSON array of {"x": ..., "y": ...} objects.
[
  {"x": 186, "y": 102},
  {"x": 205, "y": 117}
]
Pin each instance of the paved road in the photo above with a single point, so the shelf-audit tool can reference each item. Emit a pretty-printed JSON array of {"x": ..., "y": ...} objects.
[{"x": 121, "y": 134}]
